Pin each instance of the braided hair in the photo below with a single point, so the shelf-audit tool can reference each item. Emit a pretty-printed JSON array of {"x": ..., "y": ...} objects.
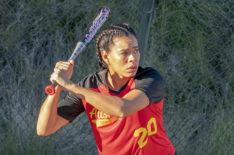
[{"x": 105, "y": 39}]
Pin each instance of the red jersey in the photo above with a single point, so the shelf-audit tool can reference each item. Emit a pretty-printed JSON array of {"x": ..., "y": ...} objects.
[{"x": 141, "y": 133}]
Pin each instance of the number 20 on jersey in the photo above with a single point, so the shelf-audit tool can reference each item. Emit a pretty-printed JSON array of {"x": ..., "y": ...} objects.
[{"x": 144, "y": 132}]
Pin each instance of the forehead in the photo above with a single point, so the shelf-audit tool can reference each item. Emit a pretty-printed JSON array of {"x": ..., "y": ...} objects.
[{"x": 124, "y": 42}]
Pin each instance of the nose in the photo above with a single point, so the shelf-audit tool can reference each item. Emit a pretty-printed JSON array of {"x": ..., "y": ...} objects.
[{"x": 133, "y": 57}]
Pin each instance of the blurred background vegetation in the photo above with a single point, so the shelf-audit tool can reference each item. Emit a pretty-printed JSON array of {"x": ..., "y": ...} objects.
[{"x": 190, "y": 43}]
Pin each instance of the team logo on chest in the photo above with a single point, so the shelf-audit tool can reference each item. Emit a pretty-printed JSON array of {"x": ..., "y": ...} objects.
[{"x": 100, "y": 118}]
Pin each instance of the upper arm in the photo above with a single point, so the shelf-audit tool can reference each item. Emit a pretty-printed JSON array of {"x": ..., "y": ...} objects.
[
  {"x": 70, "y": 107},
  {"x": 60, "y": 122}
]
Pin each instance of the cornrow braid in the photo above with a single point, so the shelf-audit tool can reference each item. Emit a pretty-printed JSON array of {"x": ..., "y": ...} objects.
[{"x": 105, "y": 39}]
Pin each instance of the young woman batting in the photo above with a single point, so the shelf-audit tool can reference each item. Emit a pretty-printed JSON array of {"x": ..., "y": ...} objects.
[{"x": 123, "y": 101}]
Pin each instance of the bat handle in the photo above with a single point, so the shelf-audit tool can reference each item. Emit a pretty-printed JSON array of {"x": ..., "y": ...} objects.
[{"x": 50, "y": 89}]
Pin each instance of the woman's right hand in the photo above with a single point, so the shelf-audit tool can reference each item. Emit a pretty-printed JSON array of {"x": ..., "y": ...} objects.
[{"x": 62, "y": 73}]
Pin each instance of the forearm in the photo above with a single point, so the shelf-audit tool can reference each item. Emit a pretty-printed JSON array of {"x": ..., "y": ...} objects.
[
  {"x": 111, "y": 105},
  {"x": 48, "y": 113}
]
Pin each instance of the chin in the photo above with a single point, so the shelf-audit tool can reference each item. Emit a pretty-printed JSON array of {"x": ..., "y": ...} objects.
[{"x": 130, "y": 74}]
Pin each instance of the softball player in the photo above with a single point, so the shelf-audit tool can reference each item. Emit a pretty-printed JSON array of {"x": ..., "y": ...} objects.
[{"x": 123, "y": 101}]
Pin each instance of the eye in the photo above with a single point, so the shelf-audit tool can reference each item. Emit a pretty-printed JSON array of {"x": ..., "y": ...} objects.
[
  {"x": 136, "y": 51},
  {"x": 124, "y": 53}
]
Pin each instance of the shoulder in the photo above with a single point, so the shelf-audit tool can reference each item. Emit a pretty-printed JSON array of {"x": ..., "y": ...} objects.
[
  {"x": 150, "y": 82},
  {"x": 93, "y": 80},
  {"x": 148, "y": 72}
]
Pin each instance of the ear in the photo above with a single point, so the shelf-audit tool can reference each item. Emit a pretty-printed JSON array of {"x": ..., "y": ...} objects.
[{"x": 105, "y": 56}]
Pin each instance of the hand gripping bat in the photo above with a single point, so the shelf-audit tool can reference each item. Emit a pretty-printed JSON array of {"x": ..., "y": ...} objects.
[{"x": 96, "y": 25}]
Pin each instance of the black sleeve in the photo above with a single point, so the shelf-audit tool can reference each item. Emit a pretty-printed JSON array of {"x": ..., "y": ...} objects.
[
  {"x": 151, "y": 83},
  {"x": 70, "y": 107}
]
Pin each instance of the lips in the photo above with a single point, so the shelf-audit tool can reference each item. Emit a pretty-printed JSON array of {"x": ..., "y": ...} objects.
[{"x": 132, "y": 68}]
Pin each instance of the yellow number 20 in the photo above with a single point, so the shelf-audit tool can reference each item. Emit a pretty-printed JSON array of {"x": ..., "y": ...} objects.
[{"x": 146, "y": 132}]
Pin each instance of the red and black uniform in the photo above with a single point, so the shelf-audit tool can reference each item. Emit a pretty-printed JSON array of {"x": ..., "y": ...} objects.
[{"x": 141, "y": 133}]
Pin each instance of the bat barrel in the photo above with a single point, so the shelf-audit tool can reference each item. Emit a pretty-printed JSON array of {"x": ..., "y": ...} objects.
[{"x": 96, "y": 25}]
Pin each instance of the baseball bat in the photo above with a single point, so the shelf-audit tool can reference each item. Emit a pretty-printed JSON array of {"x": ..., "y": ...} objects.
[{"x": 96, "y": 25}]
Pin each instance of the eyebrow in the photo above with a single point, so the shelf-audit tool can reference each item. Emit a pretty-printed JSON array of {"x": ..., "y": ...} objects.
[{"x": 135, "y": 47}]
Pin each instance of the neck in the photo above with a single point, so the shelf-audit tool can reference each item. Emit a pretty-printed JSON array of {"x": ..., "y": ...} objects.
[{"x": 115, "y": 81}]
